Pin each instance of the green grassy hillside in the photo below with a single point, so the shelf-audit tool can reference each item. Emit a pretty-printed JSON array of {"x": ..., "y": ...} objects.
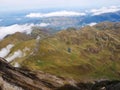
[{"x": 88, "y": 53}]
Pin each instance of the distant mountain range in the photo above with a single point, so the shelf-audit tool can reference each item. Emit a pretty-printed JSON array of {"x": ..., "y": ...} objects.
[{"x": 62, "y": 19}]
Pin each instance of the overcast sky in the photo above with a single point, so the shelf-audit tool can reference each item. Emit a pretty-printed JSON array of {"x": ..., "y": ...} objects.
[{"x": 38, "y": 4}]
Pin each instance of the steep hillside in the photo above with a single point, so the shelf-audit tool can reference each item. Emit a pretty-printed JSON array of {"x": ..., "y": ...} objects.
[
  {"x": 85, "y": 54},
  {"x": 91, "y": 52}
]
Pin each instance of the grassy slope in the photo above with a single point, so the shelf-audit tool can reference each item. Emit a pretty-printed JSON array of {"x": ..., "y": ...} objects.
[
  {"x": 89, "y": 53},
  {"x": 94, "y": 54}
]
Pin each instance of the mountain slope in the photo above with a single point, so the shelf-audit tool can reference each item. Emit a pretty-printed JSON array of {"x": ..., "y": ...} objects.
[
  {"x": 85, "y": 54},
  {"x": 91, "y": 52}
]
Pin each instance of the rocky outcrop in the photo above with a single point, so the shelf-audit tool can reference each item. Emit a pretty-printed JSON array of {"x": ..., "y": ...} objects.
[{"x": 12, "y": 78}]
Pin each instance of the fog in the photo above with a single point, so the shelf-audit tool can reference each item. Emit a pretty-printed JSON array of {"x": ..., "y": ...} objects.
[{"x": 5, "y": 51}]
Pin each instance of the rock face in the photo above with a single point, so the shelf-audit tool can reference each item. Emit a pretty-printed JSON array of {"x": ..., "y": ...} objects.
[
  {"x": 20, "y": 79},
  {"x": 12, "y": 78}
]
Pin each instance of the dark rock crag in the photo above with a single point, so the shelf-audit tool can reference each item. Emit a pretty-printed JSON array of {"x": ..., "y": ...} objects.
[{"x": 12, "y": 78}]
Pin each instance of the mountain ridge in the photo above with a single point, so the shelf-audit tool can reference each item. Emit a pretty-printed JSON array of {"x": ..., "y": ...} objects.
[{"x": 87, "y": 53}]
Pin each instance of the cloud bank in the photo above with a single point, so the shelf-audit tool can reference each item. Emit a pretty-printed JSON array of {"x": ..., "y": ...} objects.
[
  {"x": 26, "y": 28},
  {"x": 43, "y": 24},
  {"x": 55, "y": 14},
  {"x": 5, "y": 51},
  {"x": 105, "y": 10},
  {"x": 15, "y": 28},
  {"x": 16, "y": 54},
  {"x": 92, "y": 24}
]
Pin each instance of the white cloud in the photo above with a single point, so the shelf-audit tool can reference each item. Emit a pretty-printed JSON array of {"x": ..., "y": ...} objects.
[
  {"x": 4, "y": 31},
  {"x": 5, "y": 51},
  {"x": 92, "y": 24},
  {"x": 55, "y": 14},
  {"x": 15, "y": 28},
  {"x": 16, "y": 54},
  {"x": 105, "y": 10},
  {"x": 44, "y": 24}
]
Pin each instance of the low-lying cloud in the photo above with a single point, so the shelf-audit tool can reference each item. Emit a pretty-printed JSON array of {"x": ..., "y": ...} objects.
[
  {"x": 43, "y": 24},
  {"x": 5, "y": 51},
  {"x": 92, "y": 24},
  {"x": 105, "y": 10},
  {"x": 26, "y": 28},
  {"x": 15, "y": 28},
  {"x": 15, "y": 55},
  {"x": 55, "y": 14}
]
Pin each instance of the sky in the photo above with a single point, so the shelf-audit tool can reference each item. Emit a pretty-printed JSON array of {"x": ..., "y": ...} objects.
[{"x": 39, "y": 4}]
